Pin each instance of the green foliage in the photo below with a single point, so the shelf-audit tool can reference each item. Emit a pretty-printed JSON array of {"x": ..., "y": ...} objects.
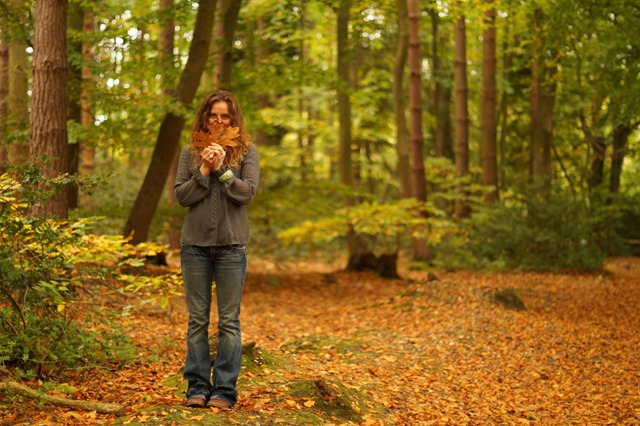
[
  {"x": 628, "y": 227},
  {"x": 538, "y": 229},
  {"x": 382, "y": 224},
  {"x": 44, "y": 267}
]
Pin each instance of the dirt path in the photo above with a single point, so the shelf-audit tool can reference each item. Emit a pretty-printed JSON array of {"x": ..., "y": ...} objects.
[{"x": 412, "y": 351}]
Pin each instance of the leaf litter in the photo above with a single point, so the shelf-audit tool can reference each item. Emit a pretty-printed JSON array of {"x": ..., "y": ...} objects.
[{"x": 336, "y": 347}]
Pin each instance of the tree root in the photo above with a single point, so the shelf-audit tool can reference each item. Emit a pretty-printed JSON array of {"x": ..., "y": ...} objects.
[{"x": 98, "y": 407}]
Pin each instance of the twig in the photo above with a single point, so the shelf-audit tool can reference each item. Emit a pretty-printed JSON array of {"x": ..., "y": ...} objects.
[{"x": 98, "y": 407}]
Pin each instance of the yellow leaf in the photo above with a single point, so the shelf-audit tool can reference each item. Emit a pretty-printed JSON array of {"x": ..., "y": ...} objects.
[
  {"x": 309, "y": 403},
  {"x": 61, "y": 307},
  {"x": 195, "y": 418}
]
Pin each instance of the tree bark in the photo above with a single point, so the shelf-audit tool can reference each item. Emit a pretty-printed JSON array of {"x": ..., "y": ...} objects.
[
  {"x": 18, "y": 98},
  {"x": 4, "y": 91},
  {"x": 261, "y": 137},
  {"x": 355, "y": 243},
  {"x": 543, "y": 89},
  {"x": 489, "y": 103},
  {"x": 596, "y": 176},
  {"x": 620, "y": 138},
  {"x": 344, "y": 101},
  {"x": 98, "y": 407},
  {"x": 421, "y": 250},
  {"x": 226, "y": 52},
  {"x": 402, "y": 134},
  {"x": 461, "y": 113},
  {"x": 167, "y": 61},
  {"x": 442, "y": 93},
  {"x": 48, "y": 129},
  {"x": 87, "y": 151},
  {"x": 146, "y": 202},
  {"x": 74, "y": 87}
]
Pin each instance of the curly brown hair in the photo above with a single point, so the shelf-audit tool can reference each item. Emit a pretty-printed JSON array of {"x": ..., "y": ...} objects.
[{"x": 200, "y": 123}]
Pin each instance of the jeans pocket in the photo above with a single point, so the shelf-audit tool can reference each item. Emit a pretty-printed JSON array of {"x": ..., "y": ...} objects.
[{"x": 238, "y": 248}]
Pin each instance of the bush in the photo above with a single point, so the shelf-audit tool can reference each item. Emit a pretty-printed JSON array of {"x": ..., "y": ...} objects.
[
  {"x": 537, "y": 229},
  {"x": 40, "y": 286},
  {"x": 628, "y": 227}
]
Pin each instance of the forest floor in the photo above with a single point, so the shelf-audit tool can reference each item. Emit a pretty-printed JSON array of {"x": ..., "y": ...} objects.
[{"x": 336, "y": 347}]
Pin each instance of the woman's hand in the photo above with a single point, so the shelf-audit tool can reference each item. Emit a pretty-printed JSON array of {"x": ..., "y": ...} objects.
[{"x": 212, "y": 159}]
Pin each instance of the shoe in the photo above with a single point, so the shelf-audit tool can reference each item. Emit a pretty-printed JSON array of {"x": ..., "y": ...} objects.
[
  {"x": 195, "y": 402},
  {"x": 218, "y": 403}
]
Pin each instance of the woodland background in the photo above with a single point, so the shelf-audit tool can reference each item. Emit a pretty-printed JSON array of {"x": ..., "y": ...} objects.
[{"x": 423, "y": 135}]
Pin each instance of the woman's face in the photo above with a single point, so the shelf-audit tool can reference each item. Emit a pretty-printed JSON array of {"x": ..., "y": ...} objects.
[{"x": 219, "y": 114}]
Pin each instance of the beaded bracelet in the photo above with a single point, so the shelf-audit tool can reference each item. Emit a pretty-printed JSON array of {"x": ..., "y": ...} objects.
[{"x": 226, "y": 176}]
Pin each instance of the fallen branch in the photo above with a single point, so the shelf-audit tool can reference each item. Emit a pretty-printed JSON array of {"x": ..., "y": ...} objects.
[{"x": 98, "y": 407}]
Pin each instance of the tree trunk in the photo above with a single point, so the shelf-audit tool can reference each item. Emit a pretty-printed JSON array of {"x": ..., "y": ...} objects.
[
  {"x": 421, "y": 250},
  {"x": 442, "y": 93},
  {"x": 356, "y": 244},
  {"x": 74, "y": 87},
  {"x": 620, "y": 138},
  {"x": 488, "y": 113},
  {"x": 167, "y": 61},
  {"x": 344, "y": 101},
  {"x": 87, "y": 150},
  {"x": 543, "y": 89},
  {"x": 503, "y": 109},
  {"x": 18, "y": 98},
  {"x": 261, "y": 136},
  {"x": 4, "y": 91},
  {"x": 148, "y": 198},
  {"x": 402, "y": 134},
  {"x": 461, "y": 113},
  {"x": 48, "y": 130},
  {"x": 226, "y": 51},
  {"x": 596, "y": 176}
]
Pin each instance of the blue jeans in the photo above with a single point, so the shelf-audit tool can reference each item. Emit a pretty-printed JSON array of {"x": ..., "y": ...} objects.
[{"x": 200, "y": 266}]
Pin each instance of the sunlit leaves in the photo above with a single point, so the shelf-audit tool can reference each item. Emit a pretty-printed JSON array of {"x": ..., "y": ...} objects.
[{"x": 383, "y": 224}]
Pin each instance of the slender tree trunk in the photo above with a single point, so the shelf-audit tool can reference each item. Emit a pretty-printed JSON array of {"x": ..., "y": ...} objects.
[
  {"x": 402, "y": 134},
  {"x": 74, "y": 90},
  {"x": 166, "y": 44},
  {"x": 4, "y": 91},
  {"x": 344, "y": 101},
  {"x": 356, "y": 244},
  {"x": 148, "y": 198},
  {"x": 596, "y": 177},
  {"x": 488, "y": 113},
  {"x": 48, "y": 129},
  {"x": 442, "y": 93},
  {"x": 302, "y": 131},
  {"x": 542, "y": 104},
  {"x": 167, "y": 61},
  {"x": 261, "y": 136},
  {"x": 18, "y": 98},
  {"x": 226, "y": 52},
  {"x": 503, "y": 110},
  {"x": 620, "y": 139},
  {"x": 543, "y": 101},
  {"x": 461, "y": 113},
  {"x": 421, "y": 250},
  {"x": 87, "y": 150},
  {"x": 415, "y": 102}
]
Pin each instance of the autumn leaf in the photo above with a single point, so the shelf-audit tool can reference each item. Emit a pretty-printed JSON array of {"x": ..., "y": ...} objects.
[
  {"x": 219, "y": 134},
  {"x": 423, "y": 352}
]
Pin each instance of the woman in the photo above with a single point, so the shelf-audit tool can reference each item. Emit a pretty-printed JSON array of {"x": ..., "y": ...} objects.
[{"x": 216, "y": 183}]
